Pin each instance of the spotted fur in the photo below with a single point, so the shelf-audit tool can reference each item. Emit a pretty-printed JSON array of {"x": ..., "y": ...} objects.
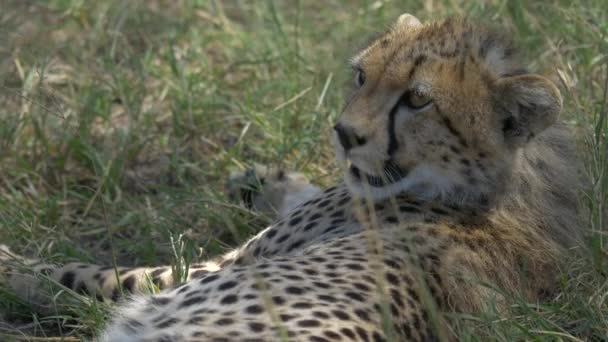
[{"x": 456, "y": 175}]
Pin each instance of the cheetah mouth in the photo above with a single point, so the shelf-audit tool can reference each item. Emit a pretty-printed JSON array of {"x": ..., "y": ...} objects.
[{"x": 392, "y": 173}]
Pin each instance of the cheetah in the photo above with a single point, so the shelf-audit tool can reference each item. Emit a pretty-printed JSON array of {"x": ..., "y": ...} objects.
[{"x": 457, "y": 174}]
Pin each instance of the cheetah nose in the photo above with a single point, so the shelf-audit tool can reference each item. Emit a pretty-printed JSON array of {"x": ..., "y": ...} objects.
[{"x": 348, "y": 138}]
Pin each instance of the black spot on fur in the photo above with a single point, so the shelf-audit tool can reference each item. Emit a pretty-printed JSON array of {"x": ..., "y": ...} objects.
[
  {"x": 377, "y": 337},
  {"x": 283, "y": 238},
  {"x": 340, "y": 315},
  {"x": 67, "y": 279},
  {"x": 224, "y": 321},
  {"x": 256, "y": 327},
  {"x": 286, "y": 317},
  {"x": 327, "y": 298},
  {"x": 325, "y": 203},
  {"x": 294, "y": 221},
  {"x": 355, "y": 296},
  {"x": 254, "y": 309},
  {"x": 271, "y": 233},
  {"x": 301, "y": 305},
  {"x": 309, "y": 226},
  {"x": 315, "y": 216},
  {"x": 278, "y": 300},
  {"x": 348, "y": 333},
  {"x": 167, "y": 323},
  {"x": 157, "y": 272},
  {"x": 160, "y": 301},
  {"x": 293, "y": 290},
  {"x": 227, "y": 285},
  {"x": 362, "y": 333},
  {"x": 333, "y": 336},
  {"x": 229, "y": 299},
  {"x": 115, "y": 296},
  {"x": 309, "y": 323},
  {"x": 192, "y": 301},
  {"x": 296, "y": 245},
  {"x": 320, "y": 314},
  {"x": 183, "y": 288},
  {"x": 209, "y": 279},
  {"x": 129, "y": 283}
]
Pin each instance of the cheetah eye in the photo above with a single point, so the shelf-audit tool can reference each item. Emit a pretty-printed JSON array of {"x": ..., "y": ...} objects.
[
  {"x": 359, "y": 78},
  {"x": 415, "y": 100}
]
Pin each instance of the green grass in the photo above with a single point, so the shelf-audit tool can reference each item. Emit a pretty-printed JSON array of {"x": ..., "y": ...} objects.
[{"x": 120, "y": 121}]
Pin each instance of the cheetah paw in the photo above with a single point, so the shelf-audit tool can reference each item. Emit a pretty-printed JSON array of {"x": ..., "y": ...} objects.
[{"x": 270, "y": 191}]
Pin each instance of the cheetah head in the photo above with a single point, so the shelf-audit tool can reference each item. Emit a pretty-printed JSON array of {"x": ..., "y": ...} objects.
[{"x": 440, "y": 110}]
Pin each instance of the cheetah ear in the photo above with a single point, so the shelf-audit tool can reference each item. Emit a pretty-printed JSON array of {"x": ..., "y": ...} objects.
[
  {"x": 527, "y": 104},
  {"x": 408, "y": 21}
]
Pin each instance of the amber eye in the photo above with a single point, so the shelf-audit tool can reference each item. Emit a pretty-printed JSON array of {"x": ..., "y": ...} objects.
[
  {"x": 359, "y": 78},
  {"x": 415, "y": 100}
]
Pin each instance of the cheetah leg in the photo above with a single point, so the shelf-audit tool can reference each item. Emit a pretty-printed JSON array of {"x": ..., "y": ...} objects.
[
  {"x": 38, "y": 283},
  {"x": 270, "y": 191}
]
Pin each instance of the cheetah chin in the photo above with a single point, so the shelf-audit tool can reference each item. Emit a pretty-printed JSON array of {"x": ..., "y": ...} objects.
[{"x": 422, "y": 182}]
